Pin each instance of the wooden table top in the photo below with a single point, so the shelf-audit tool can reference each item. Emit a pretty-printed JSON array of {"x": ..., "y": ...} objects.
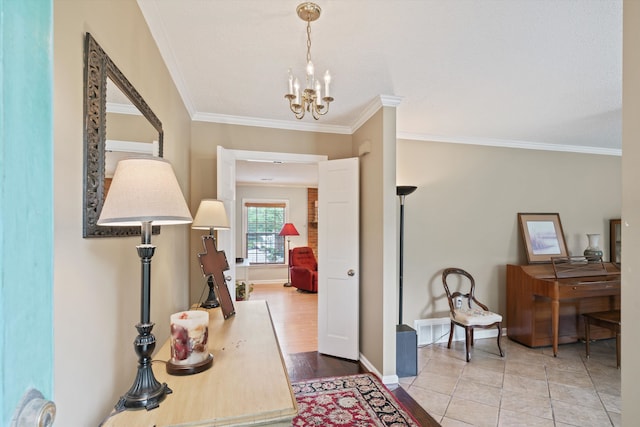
[{"x": 248, "y": 383}]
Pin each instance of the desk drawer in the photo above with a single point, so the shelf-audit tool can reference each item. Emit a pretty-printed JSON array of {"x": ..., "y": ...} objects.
[{"x": 588, "y": 289}]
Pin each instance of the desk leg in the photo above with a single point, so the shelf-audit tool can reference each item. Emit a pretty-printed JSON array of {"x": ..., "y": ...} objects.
[{"x": 555, "y": 320}]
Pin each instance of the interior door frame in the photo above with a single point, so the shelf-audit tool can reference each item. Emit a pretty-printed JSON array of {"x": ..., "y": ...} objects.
[{"x": 258, "y": 156}]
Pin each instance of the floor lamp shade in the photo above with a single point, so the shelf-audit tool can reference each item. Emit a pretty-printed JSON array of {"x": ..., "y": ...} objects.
[
  {"x": 288, "y": 229},
  {"x": 144, "y": 191}
]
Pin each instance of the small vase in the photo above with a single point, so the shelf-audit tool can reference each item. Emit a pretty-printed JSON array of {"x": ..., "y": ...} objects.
[{"x": 593, "y": 251}]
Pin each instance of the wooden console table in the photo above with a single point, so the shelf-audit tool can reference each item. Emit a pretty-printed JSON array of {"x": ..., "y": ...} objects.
[{"x": 247, "y": 385}]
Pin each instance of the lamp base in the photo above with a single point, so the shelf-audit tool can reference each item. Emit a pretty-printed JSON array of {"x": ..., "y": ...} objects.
[
  {"x": 212, "y": 300},
  {"x": 175, "y": 369},
  {"x": 142, "y": 395}
]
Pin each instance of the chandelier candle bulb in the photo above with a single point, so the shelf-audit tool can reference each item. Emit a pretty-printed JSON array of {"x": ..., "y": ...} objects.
[
  {"x": 310, "y": 72},
  {"x": 327, "y": 81},
  {"x": 290, "y": 82},
  {"x": 296, "y": 91},
  {"x": 318, "y": 99}
]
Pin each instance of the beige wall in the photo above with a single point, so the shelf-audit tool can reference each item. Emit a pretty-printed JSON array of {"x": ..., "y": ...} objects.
[
  {"x": 97, "y": 281},
  {"x": 630, "y": 212},
  {"x": 464, "y": 212},
  {"x": 378, "y": 240}
]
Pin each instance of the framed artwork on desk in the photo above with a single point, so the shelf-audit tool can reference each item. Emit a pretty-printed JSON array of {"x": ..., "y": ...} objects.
[
  {"x": 615, "y": 240},
  {"x": 543, "y": 236}
]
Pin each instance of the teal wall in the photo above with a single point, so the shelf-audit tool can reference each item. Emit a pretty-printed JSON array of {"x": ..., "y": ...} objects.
[{"x": 26, "y": 201}]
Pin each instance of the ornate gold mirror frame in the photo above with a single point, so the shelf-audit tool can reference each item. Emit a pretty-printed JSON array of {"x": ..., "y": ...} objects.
[{"x": 97, "y": 68}]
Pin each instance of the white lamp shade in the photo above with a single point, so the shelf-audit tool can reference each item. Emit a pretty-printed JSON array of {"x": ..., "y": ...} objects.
[
  {"x": 143, "y": 190},
  {"x": 211, "y": 214}
]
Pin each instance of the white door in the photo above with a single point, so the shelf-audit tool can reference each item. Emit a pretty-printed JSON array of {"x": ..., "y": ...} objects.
[
  {"x": 226, "y": 178},
  {"x": 338, "y": 258}
]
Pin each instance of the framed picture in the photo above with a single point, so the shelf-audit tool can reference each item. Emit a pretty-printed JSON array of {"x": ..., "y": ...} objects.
[
  {"x": 615, "y": 240},
  {"x": 542, "y": 235}
]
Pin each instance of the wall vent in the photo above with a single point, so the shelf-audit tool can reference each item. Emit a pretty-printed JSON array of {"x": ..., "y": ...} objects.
[{"x": 433, "y": 331}]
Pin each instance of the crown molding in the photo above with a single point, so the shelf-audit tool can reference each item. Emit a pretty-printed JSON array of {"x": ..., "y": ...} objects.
[
  {"x": 505, "y": 143},
  {"x": 371, "y": 108},
  {"x": 274, "y": 124}
]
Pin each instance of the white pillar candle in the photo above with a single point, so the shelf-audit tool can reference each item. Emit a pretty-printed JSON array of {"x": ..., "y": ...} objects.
[{"x": 189, "y": 337}]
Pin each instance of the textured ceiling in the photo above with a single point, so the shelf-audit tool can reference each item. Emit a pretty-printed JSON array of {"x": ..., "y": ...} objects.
[{"x": 531, "y": 73}]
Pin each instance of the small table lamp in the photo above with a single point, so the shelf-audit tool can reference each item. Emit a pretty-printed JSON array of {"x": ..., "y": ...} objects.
[
  {"x": 288, "y": 229},
  {"x": 211, "y": 216},
  {"x": 144, "y": 191}
]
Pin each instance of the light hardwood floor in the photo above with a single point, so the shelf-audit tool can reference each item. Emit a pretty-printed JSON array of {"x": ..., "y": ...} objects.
[{"x": 294, "y": 314}]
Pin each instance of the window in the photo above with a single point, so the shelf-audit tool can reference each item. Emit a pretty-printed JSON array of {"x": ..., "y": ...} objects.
[{"x": 263, "y": 221}]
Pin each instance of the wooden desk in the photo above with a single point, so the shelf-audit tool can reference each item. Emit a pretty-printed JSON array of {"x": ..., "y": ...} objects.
[
  {"x": 248, "y": 383},
  {"x": 543, "y": 310}
]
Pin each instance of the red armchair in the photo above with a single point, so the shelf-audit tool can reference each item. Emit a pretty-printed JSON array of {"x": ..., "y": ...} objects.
[{"x": 303, "y": 269}]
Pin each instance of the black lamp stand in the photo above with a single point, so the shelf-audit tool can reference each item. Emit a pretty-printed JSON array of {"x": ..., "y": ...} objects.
[
  {"x": 288, "y": 284},
  {"x": 146, "y": 392},
  {"x": 212, "y": 299},
  {"x": 402, "y": 191},
  {"x": 406, "y": 337}
]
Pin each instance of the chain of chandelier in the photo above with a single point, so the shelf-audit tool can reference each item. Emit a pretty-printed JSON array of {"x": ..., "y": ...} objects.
[{"x": 314, "y": 98}]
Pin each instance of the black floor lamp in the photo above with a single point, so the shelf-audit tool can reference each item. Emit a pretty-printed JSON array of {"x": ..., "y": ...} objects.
[{"x": 406, "y": 337}]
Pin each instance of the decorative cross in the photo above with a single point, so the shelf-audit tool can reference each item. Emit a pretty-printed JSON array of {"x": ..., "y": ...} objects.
[{"x": 214, "y": 263}]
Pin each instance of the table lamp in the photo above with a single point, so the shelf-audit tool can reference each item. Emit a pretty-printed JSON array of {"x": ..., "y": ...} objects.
[
  {"x": 288, "y": 229},
  {"x": 211, "y": 216},
  {"x": 144, "y": 191}
]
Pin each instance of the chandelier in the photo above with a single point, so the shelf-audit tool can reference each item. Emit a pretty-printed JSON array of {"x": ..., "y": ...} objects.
[{"x": 311, "y": 99}]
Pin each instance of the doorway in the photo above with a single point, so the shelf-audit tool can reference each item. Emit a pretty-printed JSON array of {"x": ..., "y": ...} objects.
[{"x": 294, "y": 313}]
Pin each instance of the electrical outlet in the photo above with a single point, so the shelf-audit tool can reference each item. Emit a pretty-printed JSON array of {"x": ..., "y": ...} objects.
[{"x": 458, "y": 302}]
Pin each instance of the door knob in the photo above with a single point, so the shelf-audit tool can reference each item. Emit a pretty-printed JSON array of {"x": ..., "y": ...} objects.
[{"x": 351, "y": 272}]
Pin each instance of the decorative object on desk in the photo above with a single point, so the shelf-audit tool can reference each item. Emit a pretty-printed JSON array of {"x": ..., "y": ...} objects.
[
  {"x": 406, "y": 336},
  {"x": 211, "y": 216},
  {"x": 214, "y": 263},
  {"x": 311, "y": 99},
  {"x": 593, "y": 251},
  {"x": 351, "y": 400},
  {"x": 189, "y": 337},
  {"x": 144, "y": 191},
  {"x": 542, "y": 235},
  {"x": 243, "y": 290},
  {"x": 615, "y": 241},
  {"x": 288, "y": 229}
]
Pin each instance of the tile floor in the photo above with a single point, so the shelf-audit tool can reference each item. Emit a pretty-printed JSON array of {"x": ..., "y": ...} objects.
[{"x": 528, "y": 387}]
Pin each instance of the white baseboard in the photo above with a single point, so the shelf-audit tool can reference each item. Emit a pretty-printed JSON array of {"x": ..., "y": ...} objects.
[{"x": 386, "y": 379}]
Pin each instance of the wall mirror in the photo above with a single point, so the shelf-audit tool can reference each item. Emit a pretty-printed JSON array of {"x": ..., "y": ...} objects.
[{"x": 118, "y": 123}]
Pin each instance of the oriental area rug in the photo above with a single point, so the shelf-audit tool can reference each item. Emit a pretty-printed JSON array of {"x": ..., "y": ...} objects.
[{"x": 355, "y": 400}]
